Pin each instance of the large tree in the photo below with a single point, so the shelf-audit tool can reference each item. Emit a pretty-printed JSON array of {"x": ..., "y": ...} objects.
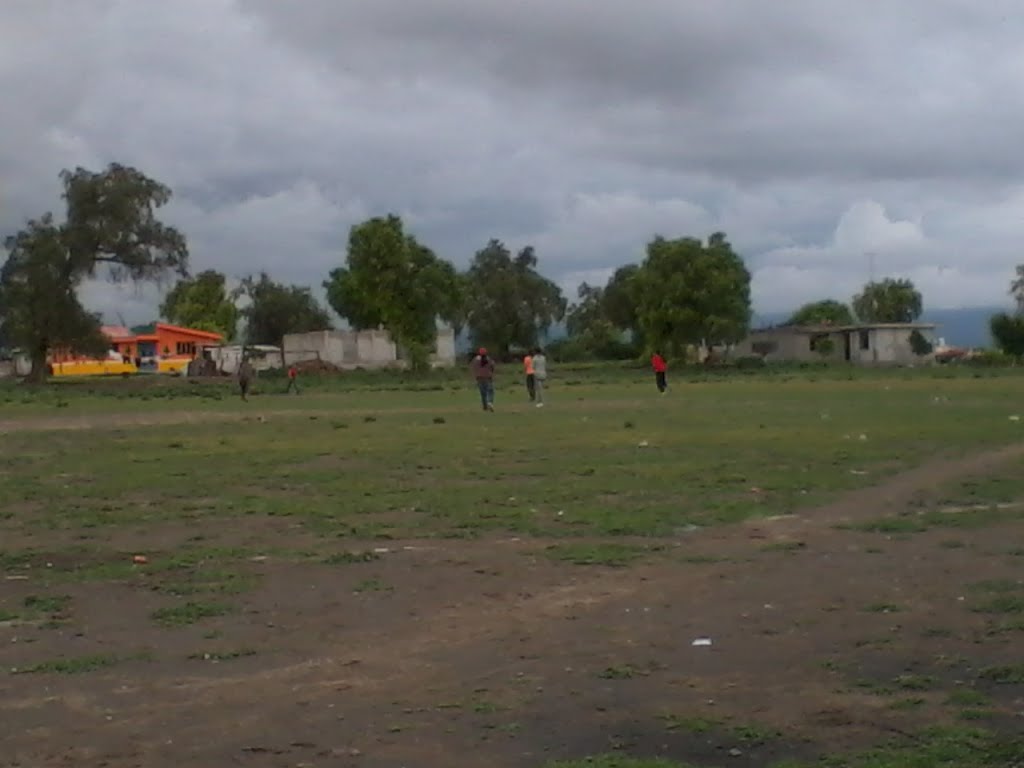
[
  {"x": 588, "y": 324},
  {"x": 1008, "y": 329},
  {"x": 274, "y": 310},
  {"x": 824, "y": 312},
  {"x": 692, "y": 293},
  {"x": 1008, "y": 332},
  {"x": 110, "y": 228},
  {"x": 202, "y": 302},
  {"x": 392, "y": 280},
  {"x": 621, "y": 299},
  {"x": 39, "y": 308},
  {"x": 890, "y": 300},
  {"x": 509, "y": 303}
]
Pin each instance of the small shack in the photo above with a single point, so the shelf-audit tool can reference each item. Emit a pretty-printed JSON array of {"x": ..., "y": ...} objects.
[{"x": 861, "y": 343}]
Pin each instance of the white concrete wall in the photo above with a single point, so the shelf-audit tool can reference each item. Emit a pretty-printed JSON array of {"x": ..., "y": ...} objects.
[
  {"x": 358, "y": 349},
  {"x": 789, "y": 345},
  {"x": 444, "y": 354},
  {"x": 227, "y": 359},
  {"x": 892, "y": 345}
]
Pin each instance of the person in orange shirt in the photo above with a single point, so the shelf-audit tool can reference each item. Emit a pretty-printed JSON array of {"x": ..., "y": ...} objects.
[{"x": 531, "y": 378}]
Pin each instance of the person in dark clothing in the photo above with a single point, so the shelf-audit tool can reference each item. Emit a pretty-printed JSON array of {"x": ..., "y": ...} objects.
[
  {"x": 244, "y": 378},
  {"x": 660, "y": 372},
  {"x": 482, "y": 369}
]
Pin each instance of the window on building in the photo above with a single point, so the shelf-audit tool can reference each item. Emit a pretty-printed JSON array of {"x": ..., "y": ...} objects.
[
  {"x": 865, "y": 340},
  {"x": 186, "y": 348}
]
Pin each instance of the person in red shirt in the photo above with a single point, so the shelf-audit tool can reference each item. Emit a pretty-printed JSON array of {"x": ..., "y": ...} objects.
[
  {"x": 293, "y": 380},
  {"x": 660, "y": 372}
]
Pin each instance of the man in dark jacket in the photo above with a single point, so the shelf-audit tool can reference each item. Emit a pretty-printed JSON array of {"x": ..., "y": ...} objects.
[{"x": 482, "y": 369}]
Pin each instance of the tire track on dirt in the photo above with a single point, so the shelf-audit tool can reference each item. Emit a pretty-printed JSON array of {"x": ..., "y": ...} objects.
[{"x": 874, "y": 501}]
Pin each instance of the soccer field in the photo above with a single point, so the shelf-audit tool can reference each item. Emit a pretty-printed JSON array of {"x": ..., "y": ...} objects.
[{"x": 380, "y": 574}]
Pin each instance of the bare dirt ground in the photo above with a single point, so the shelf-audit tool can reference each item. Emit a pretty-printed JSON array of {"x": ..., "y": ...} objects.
[{"x": 488, "y": 653}]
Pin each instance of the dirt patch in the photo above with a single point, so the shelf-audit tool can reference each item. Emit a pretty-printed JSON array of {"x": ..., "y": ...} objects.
[{"x": 454, "y": 653}]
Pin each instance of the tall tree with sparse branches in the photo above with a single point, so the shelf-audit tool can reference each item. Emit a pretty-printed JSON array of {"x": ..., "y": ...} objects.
[{"x": 110, "y": 228}]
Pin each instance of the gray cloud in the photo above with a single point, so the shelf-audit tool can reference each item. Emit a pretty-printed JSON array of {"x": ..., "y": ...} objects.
[{"x": 812, "y": 133}]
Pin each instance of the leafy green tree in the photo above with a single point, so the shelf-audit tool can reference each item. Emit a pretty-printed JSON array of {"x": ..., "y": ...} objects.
[
  {"x": 202, "y": 302},
  {"x": 508, "y": 302},
  {"x": 1008, "y": 332},
  {"x": 691, "y": 293},
  {"x": 888, "y": 301},
  {"x": 274, "y": 310},
  {"x": 620, "y": 297},
  {"x": 393, "y": 281},
  {"x": 589, "y": 327},
  {"x": 39, "y": 309},
  {"x": 110, "y": 224},
  {"x": 825, "y": 312},
  {"x": 824, "y": 345}
]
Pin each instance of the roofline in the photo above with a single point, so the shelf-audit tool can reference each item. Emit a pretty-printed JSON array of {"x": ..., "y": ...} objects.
[{"x": 190, "y": 331}]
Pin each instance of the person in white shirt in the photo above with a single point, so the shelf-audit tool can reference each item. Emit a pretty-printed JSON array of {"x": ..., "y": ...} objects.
[{"x": 540, "y": 375}]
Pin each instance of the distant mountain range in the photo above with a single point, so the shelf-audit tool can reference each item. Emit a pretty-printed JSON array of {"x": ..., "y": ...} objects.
[{"x": 965, "y": 327}]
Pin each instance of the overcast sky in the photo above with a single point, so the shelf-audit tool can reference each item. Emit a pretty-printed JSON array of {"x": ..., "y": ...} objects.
[{"x": 813, "y": 132}]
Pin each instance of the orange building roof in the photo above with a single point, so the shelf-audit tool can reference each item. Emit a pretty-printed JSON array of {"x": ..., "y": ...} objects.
[{"x": 209, "y": 336}]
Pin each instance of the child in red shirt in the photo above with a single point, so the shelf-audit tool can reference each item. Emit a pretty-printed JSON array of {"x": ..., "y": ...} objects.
[{"x": 660, "y": 372}]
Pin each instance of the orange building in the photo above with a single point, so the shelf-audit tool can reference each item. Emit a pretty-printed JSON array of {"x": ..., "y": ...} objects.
[
  {"x": 160, "y": 340},
  {"x": 160, "y": 348}
]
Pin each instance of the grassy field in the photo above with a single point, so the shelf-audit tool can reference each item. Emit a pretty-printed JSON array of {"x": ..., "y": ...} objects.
[{"x": 165, "y": 535}]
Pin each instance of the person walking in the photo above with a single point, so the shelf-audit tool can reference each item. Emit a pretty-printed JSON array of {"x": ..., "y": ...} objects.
[
  {"x": 293, "y": 380},
  {"x": 531, "y": 379},
  {"x": 482, "y": 369},
  {"x": 244, "y": 377},
  {"x": 660, "y": 372},
  {"x": 540, "y": 373}
]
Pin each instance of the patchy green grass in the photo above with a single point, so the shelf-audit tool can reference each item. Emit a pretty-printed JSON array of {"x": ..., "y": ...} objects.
[
  {"x": 219, "y": 656},
  {"x": 610, "y": 554},
  {"x": 611, "y": 472},
  {"x": 1010, "y": 674},
  {"x": 372, "y": 585},
  {"x": 189, "y": 613},
  {"x": 349, "y": 558},
  {"x": 72, "y": 666},
  {"x": 730, "y": 450},
  {"x": 1001, "y": 604}
]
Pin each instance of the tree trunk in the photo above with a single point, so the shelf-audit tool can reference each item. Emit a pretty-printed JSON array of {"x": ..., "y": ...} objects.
[{"x": 39, "y": 372}]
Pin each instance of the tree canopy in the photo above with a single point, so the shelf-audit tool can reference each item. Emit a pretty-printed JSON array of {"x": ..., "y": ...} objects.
[
  {"x": 392, "y": 280},
  {"x": 508, "y": 302},
  {"x": 275, "y": 310},
  {"x": 202, "y": 302},
  {"x": 824, "y": 312},
  {"x": 111, "y": 221},
  {"x": 1008, "y": 329},
  {"x": 591, "y": 333},
  {"x": 689, "y": 293},
  {"x": 39, "y": 309},
  {"x": 890, "y": 300}
]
